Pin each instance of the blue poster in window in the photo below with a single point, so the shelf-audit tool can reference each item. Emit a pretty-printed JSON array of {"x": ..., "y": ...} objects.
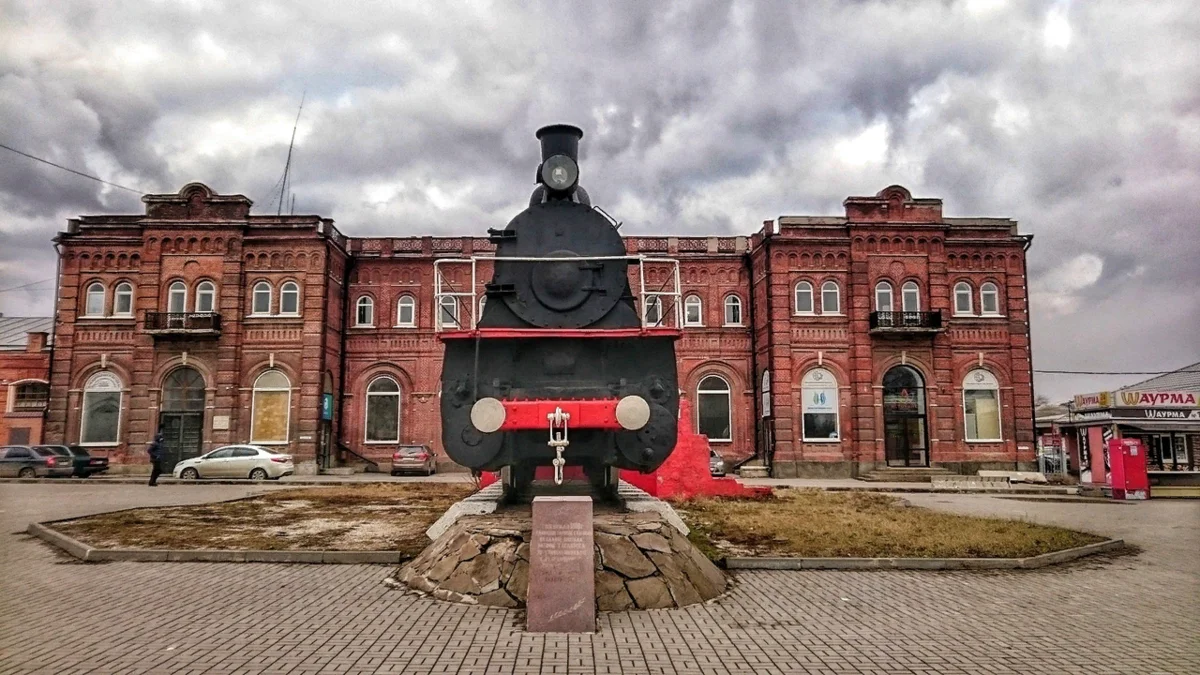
[{"x": 327, "y": 407}]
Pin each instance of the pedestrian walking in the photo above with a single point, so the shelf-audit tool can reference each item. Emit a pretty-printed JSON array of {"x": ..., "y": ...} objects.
[{"x": 156, "y": 453}]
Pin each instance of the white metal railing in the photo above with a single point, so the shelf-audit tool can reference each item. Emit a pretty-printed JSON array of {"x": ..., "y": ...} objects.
[{"x": 667, "y": 300}]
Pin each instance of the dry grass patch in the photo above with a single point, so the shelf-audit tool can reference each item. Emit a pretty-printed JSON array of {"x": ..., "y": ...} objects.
[
  {"x": 376, "y": 517},
  {"x": 816, "y": 524}
]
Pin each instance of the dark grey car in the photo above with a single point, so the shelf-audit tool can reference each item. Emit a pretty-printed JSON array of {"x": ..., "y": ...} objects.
[{"x": 22, "y": 461}]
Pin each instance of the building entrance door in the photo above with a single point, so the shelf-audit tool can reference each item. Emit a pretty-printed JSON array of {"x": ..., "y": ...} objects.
[
  {"x": 904, "y": 426},
  {"x": 181, "y": 416}
]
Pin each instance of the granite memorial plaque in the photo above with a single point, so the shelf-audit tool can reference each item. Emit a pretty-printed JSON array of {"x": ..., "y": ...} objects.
[{"x": 562, "y": 578}]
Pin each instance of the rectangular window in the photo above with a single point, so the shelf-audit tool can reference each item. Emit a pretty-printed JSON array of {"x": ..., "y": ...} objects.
[
  {"x": 18, "y": 435},
  {"x": 819, "y": 413},
  {"x": 101, "y": 417},
  {"x": 95, "y": 304},
  {"x": 383, "y": 418},
  {"x": 262, "y": 300},
  {"x": 270, "y": 417},
  {"x": 692, "y": 314},
  {"x": 714, "y": 416},
  {"x": 405, "y": 316},
  {"x": 123, "y": 304},
  {"x": 982, "y": 410},
  {"x": 733, "y": 314},
  {"x": 31, "y": 397}
]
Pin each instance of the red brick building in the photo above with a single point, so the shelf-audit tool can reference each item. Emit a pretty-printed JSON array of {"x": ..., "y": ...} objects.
[
  {"x": 219, "y": 326},
  {"x": 24, "y": 389}
]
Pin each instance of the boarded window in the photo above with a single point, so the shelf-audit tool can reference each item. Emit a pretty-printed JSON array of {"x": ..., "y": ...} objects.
[
  {"x": 271, "y": 408},
  {"x": 981, "y": 406}
]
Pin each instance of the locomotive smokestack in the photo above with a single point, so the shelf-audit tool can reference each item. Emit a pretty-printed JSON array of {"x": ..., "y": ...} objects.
[{"x": 560, "y": 139}]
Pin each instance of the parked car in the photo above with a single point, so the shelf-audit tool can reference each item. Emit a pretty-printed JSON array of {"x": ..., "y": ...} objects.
[
  {"x": 236, "y": 461},
  {"x": 84, "y": 464},
  {"x": 417, "y": 458},
  {"x": 716, "y": 463},
  {"x": 23, "y": 461}
]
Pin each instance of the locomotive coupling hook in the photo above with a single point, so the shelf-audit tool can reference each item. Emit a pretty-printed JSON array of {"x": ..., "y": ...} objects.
[{"x": 558, "y": 440}]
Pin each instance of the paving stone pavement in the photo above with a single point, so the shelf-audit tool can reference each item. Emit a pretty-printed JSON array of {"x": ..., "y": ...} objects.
[{"x": 1124, "y": 615}]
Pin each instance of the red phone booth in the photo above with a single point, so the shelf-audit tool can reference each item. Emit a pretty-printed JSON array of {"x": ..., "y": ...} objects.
[{"x": 1127, "y": 458}]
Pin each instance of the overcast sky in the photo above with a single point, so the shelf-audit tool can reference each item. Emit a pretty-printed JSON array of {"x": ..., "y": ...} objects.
[{"x": 1079, "y": 119}]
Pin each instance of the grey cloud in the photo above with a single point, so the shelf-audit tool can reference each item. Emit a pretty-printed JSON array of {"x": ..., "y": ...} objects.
[{"x": 700, "y": 118}]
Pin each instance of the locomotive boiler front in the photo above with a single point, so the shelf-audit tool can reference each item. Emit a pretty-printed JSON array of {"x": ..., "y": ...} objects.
[{"x": 560, "y": 345}]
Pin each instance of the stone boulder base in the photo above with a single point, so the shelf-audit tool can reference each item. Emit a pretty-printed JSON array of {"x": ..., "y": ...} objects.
[{"x": 642, "y": 562}]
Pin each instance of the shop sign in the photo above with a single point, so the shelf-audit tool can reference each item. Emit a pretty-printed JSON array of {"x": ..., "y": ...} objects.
[
  {"x": 1100, "y": 399},
  {"x": 903, "y": 400},
  {"x": 1159, "y": 399},
  {"x": 1159, "y": 414},
  {"x": 327, "y": 406},
  {"x": 766, "y": 393}
]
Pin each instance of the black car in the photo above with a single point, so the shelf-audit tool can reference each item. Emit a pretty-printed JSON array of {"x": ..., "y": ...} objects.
[
  {"x": 84, "y": 464},
  {"x": 22, "y": 461}
]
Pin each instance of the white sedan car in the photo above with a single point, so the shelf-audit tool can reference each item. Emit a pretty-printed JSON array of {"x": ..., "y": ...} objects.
[{"x": 236, "y": 461}]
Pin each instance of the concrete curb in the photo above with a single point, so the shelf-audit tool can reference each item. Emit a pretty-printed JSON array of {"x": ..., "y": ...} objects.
[
  {"x": 87, "y": 553},
  {"x": 289, "y": 481},
  {"x": 1034, "y": 562}
]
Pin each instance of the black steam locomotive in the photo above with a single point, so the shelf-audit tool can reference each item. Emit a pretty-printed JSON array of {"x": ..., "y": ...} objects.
[{"x": 559, "y": 369}]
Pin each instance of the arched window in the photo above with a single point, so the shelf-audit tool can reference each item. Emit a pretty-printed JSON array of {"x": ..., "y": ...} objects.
[
  {"x": 733, "y": 310},
  {"x": 406, "y": 311},
  {"x": 831, "y": 298},
  {"x": 101, "y": 421},
  {"x": 883, "y": 297},
  {"x": 289, "y": 298},
  {"x": 981, "y": 406},
  {"x": 693, "y": 311},
  {"x": 271, "y": 408},
  {"x": 206, "y": 297},
  {"x": 448, "y": 312},
  {"x": 910, "y": 297},
  {"x": 962, "y": 298},
  {"x": 804, "y": 298},
  {"x": 183, "y": 391},
  {"x": 364, "y": 314},
  {"x": 262, "y": 298},
  {"x": 989, "y": 299},
  {"x": 383, "y": 411},
  {"x": 482, "y": 304},
  {"x": 177, "y": 298},
  {"x": 95, "y": 300},
  {"x": 30, "y": 396},
  {"x": 123, "y": 299},
  {"x": 819, "y": 406},
  {"x": 713, "y": 409},
  {"x": 905, "y": 441},
  {"x": 654, "y": 311}
]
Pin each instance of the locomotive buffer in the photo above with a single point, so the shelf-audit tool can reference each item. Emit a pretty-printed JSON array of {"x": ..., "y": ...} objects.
[{"x": 560, "y": 369}]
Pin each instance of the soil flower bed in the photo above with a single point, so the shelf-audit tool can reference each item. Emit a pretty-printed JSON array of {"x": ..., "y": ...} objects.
[
  {"x": 815, "y": 524},
  {"x": 347, "y": 518}
]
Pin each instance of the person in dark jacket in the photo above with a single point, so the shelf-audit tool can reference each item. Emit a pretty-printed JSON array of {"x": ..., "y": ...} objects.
[{"x": 156, "y": 453}]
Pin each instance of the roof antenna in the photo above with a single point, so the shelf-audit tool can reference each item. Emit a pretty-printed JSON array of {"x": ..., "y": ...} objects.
[{"x": 287, "y": 167}]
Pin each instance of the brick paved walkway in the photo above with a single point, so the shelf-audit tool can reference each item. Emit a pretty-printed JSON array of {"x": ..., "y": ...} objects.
[{"x": 1129, "y": 615}]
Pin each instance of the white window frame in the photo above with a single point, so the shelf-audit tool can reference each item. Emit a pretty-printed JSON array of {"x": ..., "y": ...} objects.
[
  {"x": 412, "y": 307},
  {"x": 985, "y": 289},
  {"x": 12, "y": 393},
  {"x": 915, "y": 290},
  {"x": 448, "y": 305},
  {"x": 690, "y": 302},
  {"x": 815, "y": 380},
  {"x": 87, "y": 300},
  {"x": 90, "y": 387},
  {"x": 881, "y": 288},
  {"x": 263, "y": 287},
  {"x": 963, "y": 289},
  {"x": 834, "y": 287},
  {"x": 285, "y": 288},
  {"x": 988, "y": 383},
  {"x": 122, "y": 289},
  {"x": 368, "y": 303},
  {"x": 654, "y": 305},
  {"x": 206, "y": 288},
  {"x": 287, "y": 427},
  {"x": 177, "y": 287},
  {"x": 482, "y": 304},
  {"x": 367, "y": 409},
  {"x": 807, "y": 287},
  {"x": 727, "y": 392},
  {"x": 732, "y": 300}
]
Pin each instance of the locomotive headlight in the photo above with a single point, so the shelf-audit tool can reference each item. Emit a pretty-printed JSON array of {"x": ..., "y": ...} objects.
[
  {"x": 559, "y": 173},
  {"x": 633, "y": 412},
  {"x": 488, "y": 414}
]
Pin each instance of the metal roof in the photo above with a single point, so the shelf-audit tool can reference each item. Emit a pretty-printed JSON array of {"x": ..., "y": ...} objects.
[
  {"x": 13, "y": 329},
  {"x": 1186, "y": 378}
]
